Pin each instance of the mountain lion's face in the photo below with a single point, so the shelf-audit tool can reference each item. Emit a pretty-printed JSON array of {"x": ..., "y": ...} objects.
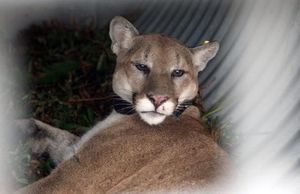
[{"x": 153, "y": 72}]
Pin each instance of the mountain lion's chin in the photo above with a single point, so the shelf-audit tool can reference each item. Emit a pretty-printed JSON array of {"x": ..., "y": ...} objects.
[{"x": 152, "y": 118}]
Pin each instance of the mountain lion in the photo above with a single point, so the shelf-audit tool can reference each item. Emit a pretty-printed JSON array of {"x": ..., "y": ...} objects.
[{"x": 153, "y": 141}]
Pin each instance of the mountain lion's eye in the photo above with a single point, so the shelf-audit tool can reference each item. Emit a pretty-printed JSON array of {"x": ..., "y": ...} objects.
[
  {"x": 143, "y": 68},
  {"x": 177, "y": 73}
]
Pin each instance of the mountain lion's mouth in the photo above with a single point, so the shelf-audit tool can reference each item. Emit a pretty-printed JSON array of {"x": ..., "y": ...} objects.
[
  {"x": 152, "y": 117},
  {"x": 152, "y": 112}
]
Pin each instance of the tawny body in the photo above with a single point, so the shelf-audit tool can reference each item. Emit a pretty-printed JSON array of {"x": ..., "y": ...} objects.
[{"x": 134, "y": 157}]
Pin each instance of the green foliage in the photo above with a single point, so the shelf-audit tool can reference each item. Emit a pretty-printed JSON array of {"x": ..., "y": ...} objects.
[
  {"x": 208, "y": 116},
  {"x": 69, "y": 72},
  {"x": 220, "y": 131},
  {"x": 56, "y": 72}
]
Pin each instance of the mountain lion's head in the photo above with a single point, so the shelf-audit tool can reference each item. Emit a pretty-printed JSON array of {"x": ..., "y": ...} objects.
[{"x": 154, "y": 72}]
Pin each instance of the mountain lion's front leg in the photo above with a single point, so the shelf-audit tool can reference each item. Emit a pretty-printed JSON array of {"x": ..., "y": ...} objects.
[
  {"x": 44, "y": 138},
  {"x": 59, "y": 144}
]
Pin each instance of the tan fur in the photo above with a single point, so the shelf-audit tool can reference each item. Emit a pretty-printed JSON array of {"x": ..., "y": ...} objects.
[
  {"x": 135, "y": 157},
  {"x": 161, "y": 56},
  {"x": 131, "y": 154},
  {"x": 164, "y": 55}
]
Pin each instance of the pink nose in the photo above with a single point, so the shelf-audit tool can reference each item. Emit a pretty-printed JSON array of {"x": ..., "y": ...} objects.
[{"x": 157, "y": 100}]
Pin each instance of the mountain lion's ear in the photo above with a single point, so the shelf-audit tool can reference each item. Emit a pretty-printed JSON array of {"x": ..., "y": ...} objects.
[
  {"x": 121, "y": 32},
  {"x": 204, "y": 53}
]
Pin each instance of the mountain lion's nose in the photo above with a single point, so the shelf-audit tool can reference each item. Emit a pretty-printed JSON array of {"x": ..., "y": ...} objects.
[{"x": 157, "y": 100}]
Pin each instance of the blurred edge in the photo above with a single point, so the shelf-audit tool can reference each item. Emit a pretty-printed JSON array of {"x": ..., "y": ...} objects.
[{"x": 255, "y": 74}]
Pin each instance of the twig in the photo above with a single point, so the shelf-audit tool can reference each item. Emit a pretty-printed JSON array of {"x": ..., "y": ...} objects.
[{"x": 89, "y": 99}]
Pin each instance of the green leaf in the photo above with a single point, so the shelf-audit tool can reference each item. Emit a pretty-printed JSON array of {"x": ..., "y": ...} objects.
[
  {"x": 90, "y": 116},
  {"x": 57, "y": 72}
]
